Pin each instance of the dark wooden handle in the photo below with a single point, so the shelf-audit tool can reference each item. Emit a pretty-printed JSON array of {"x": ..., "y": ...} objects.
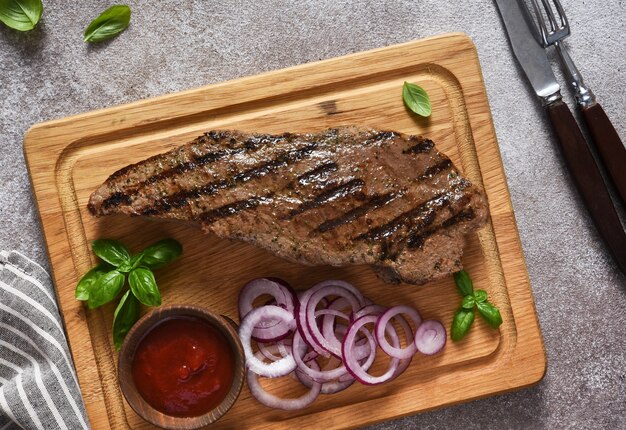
[
  {"x": 588, "y": 180},
  {"x": 610, "y": 146}
]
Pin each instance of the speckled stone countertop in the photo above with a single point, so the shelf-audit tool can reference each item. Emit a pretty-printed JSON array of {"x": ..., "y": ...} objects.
[{"x": 177, "y": 45}]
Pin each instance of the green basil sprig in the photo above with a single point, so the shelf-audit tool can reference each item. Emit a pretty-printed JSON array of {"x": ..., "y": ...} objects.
[
  {"x": 464, "y": 317},
  {"x": 21, "y": 15},
  {"x": 108, "y": 24},
  {"x": 416, "y": 99},
  {"x": 125, "y": 316},
  {"x": 111, "y": 251},
  {"x": 161, "y": 253},
  {"x": 107, "y": 280}
]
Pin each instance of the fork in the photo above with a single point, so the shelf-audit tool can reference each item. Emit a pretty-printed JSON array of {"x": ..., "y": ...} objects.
[{"x": 610, "y": 147}]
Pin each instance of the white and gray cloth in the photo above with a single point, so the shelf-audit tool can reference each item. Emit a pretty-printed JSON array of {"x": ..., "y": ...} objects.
[{"x": 38, "y": 385}]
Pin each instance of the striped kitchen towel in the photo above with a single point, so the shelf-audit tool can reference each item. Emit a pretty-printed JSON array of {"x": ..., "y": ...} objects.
[{"x": 38, "y": 385}]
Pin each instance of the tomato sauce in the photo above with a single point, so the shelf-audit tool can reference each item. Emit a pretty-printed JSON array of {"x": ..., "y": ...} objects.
[{"x": 183, "y": 367}]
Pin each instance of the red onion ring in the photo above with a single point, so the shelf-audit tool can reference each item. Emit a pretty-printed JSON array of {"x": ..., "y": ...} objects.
[
  {"x": 384, "y": 322},
  {"x": 315, "y": 374},
  {"x": 371, "y": 309},
  {"x": 301, "y": 313},
  {"x": 330, "y": 387},
  {"x": 329, "y": 326},
  {"x": 273, "y": 401},
  {"x": 267, "y": 330},
  {"x": 352, "y": 364},
  {"x": 364, "y": 350},
  {"x": 269, "y": 350},
  {"x": 320, "y": 344},
  {"x": 279, "y": 367},
  {"x": 430, "y": 337}
]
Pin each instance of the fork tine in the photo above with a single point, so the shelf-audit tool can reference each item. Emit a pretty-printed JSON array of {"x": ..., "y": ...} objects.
[
  {"x": 550, "y": 13},
  {"x": 562, "y": 14}
]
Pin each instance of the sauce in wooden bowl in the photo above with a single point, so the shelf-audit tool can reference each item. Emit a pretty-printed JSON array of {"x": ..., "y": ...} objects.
[{"x": 183, "y": 367}]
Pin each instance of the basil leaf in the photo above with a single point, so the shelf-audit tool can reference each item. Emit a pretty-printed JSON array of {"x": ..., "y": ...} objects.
[
  {"x": 126, "y": 315},
  {"x": 136, "y": 260},
  {"x": 480, "y": 296},
  {"x": 144, "y": 287},
  {"x": 161, "y": 253},
  {"x": 106, "y": 288},
  {"x": 125, "y": 267},
  {"x": 416, "y": 99},
  {"x": 21, "y": 15},
  {"x": 109, "y": 24},
  {"x": 463, "y": 319},
  {"x": 111, "y": 251},
  {"x": 490, "y": 313},
  {"x": 463, "y": 283},
  {"x": 468, "y": 302},
  {"x": 89, "y": 280}
]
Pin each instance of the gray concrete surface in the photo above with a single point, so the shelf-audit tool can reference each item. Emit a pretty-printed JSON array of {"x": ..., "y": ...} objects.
[{"x": 176, "y": 45}]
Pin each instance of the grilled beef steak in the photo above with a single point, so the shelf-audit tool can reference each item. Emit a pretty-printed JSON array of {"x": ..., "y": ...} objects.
[{"x": 343, "y": 196}]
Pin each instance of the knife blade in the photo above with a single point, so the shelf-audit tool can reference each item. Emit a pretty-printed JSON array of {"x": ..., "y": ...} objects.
[
  {"x": 529, "y": 53},
  {"x": 574, "y": 148}
]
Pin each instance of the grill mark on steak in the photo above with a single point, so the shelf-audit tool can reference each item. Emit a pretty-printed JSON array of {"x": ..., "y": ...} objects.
[
  {"x": 230, "y": 209},
  {"x": 437, "y": 168},
  {"x": 253, "y": 202},
  {"x": 317, "y": 174},
  {"x": 423, "y": 228},
  {"x": 198, "y": 160},
  {"x": 328, "y": 195},
  {"x": 374, "y": 202},
  {"x": 117, "y": 198},
  {"x": 411, "y": 216},
  {"x": 420, "y": 212},
  {"x": 417, "y": 240},
  {"x": 380, "y": 136},
  {"x": 421, "y": 147},
  {"x": 181, "y": 198}
]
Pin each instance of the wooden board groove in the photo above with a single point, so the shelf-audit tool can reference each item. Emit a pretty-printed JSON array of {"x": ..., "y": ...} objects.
[{"x": 69, "y": 158}]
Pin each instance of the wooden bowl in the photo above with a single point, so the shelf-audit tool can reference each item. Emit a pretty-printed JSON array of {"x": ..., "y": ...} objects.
[{"x": 137, "y": 333}]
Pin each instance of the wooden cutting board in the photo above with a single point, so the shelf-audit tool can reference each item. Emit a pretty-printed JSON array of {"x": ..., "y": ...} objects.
[{"x": 69, "y": 158}]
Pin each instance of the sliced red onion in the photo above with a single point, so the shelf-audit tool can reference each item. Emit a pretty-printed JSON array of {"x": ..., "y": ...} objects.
[
  {"x": 273, "y": 401},
  {"x": 329, "y": 325},
  {"x": 279, "y": 367},
  {"x": 270, "y": 329},
  {"x": 277, "y": 288},
  {"x": 332, "y": 313},
  {"x": 328, "y": 330},
  {"x": 404, "y": 364},
  {"x": 370, "y": 309},
  {"x": 330, "y": 387},
  {"x": 362, "y": 347},
  {"x": 352, "y": 363},
  {"x": 342, "y": 284},
  {"x": 282, "y": 282},
  {"x": 430, "y": 337},
  {"x": 315, "y": 313},
  {"x": 364, "y": 351},
  {"x": 315, "y": 374},
  {"x": 383, "y": 324},
  {"x": 301, "y": 312},
  {"x": 269, "y": 351},
  {"x": 320, "y": 344}
]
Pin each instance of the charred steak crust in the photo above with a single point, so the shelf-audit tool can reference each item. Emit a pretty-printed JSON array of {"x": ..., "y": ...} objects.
[{"x": 343, "y": 196}]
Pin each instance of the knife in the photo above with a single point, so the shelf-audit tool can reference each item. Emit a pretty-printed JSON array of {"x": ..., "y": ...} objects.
[{"x": 574, "y": 149}]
